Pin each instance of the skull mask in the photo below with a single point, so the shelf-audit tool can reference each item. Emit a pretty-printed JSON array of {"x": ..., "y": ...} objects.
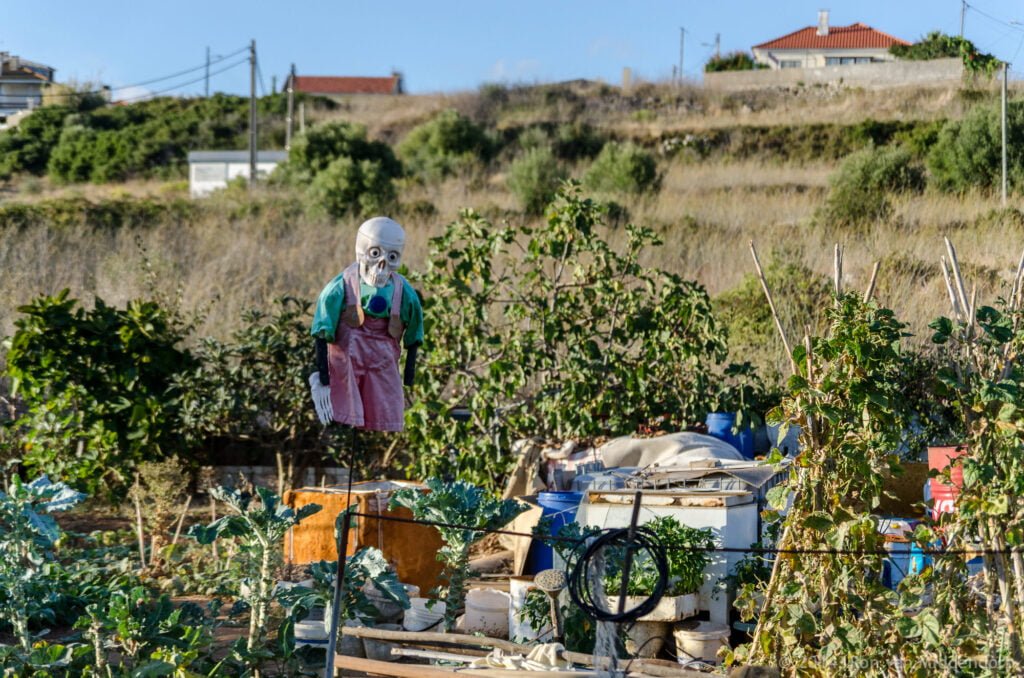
[{"x": 379, "y": 245}]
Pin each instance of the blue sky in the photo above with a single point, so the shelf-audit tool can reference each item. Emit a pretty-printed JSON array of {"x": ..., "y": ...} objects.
[{"x": 445, "y": 45}]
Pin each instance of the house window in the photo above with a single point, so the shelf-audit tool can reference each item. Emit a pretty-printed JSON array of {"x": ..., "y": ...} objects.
[
  {"x": 790, "y": 63},
  {"x": 831, "y": 61}
]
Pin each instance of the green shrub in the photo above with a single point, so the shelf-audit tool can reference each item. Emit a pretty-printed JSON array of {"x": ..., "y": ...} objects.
[
  {"x": 801, "y": 296},
  {"x": 313, "y": 151},
  {"x": 577, "y": 140},
  {"x": 26, "y": 148},
  {"x": 938, "y": 45},
  {"x": 533, "y": 179},
  {"x": 967, "y": 153},
  {"x": 348, "y": 186},
  {"x": 623, "y": 168},
  {"x": 343, "y": 170},
  {"x": 859, "y": 190},
  {"x": 734, "y": 61},
  {"x": 99, "y": 387},
  {"x": 447, "y": 144}
]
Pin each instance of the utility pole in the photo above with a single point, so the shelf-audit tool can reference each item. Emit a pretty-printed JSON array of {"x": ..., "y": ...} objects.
[
  {"x": 252, "y": 114},
  {"x": 302, "y": 117},
  {"x": 291, "y": 110},
  {"x": 1006, "y": 69},
  {"x": 718, "y": 46},
  {"x": 207, "y": 89},
  {"x": 963, "y": 11},
  {"x": 682, "y": 39}
]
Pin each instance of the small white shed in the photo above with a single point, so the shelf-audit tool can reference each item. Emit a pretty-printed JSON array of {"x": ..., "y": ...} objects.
[{"x": 209, "y": 171}]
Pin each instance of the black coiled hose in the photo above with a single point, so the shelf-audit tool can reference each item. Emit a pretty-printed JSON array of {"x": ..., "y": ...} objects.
[{"x": 579, "y": 583}]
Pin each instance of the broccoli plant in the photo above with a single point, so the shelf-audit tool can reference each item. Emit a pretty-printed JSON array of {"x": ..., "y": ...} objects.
[
  {"x": 27, "y": 537},
  {"x": 260, "y": 529},
  {"x": 467, "y": 512}
]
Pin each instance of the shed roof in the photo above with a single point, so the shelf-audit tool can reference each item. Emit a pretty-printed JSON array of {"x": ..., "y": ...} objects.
[
  {"x": 854, "y": 36},
  {"x": 331, "y": 84},
  {"x": 236, "y": 156}
]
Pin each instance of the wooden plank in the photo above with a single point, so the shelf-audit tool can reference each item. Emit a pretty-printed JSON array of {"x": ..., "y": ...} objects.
[{"x": 379, "y": 668}]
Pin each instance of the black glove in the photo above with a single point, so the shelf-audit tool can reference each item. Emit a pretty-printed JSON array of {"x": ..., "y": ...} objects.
[
  {"x": 321, "y": 361},
  {"x": 409, "y": 376}
]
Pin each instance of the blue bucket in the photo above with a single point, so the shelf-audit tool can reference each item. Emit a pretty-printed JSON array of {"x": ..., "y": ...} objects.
[
  {"x": 720, "y": 425},
  {"x": 560, "y": 507}
]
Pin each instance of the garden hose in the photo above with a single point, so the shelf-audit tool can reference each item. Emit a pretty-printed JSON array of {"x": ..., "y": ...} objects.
[{"x": 580, "y": 590}]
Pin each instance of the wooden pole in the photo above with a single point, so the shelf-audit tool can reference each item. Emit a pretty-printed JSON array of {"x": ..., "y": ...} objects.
[
  {"x": 870, "y": 292},
  {"x": 771, "y": 305}
]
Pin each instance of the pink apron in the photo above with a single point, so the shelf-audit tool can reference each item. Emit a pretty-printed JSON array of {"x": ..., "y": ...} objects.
[{"x": 366, "y": 387}]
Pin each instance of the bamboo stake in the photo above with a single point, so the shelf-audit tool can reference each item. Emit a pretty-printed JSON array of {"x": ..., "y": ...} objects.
[
  {"x": 870, "y": 292},
  {"x": 1015, "y": 290},
  {"x": 771, "y": 305},
  {"x": 181, "y": 520},
  {"x": 952, "y": 295},
  {"x": 957, "y": 277},
  {"x": 139, "y": 531},
  {"x": 837, "y": 268}
]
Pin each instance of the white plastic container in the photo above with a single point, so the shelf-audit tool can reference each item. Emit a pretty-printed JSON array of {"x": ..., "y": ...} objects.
[
  {"x": 419, "y": 618},
  {"x": 311, "y": 632},
  {"x": 486, "y": 612},
  {"x": 700, "y": 640},
  {"x": 380, "y": 650},
  {"x": 646, "y": 639},
  {"x": 519, "y": 629}
]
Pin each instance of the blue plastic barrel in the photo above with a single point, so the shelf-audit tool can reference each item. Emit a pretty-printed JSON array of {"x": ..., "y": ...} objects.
[
  {"x": 560, "y": 507},
  {"x": 720, "y": 425}
]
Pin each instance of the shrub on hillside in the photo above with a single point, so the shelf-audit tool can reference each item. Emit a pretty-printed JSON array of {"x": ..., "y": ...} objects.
[
  {"x": 859, "y": 190},
  {"x": 734, "y": 61},
  {"x": 26, "y": 148},
  {"x": 577, "y": 140},
  {"x": 447, "y": 144},
  {"x": 938, "y": 45},
  {"x": 313, "y": 151},
  {"x": 801, "y": 296},
  {"x": 623, "y": 168},
  {"x": 967, "y": 153},
  {"x": 534, "y": 177},
  {"x": 343, "y": 170},
  {"x": 349, "y": 186}
]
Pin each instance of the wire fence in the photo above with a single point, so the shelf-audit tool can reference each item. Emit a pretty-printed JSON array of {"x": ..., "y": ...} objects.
[{"x": 576, "y": 542}]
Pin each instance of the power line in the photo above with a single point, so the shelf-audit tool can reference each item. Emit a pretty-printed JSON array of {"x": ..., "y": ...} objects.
[
  {"x": 988, "y": 16},
  {"x": 203, "y": 65},
  {"x": 183, "y": 84}
]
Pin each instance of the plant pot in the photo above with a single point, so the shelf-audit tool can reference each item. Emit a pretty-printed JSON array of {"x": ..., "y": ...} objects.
[
  {"x": 486, "y": 613},
  {"x": 646, "y": 639},
  {"x": 700, "y": 640},
  {"x": 518, "y": 628},
  {"x": 668, "y": 609},
  {"x": 350, "y": 646},
  {"x": 419, "y": 618},
  {"x": 380, "y": 650}
]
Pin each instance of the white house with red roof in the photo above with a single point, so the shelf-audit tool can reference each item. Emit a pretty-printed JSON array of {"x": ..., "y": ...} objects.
[
  {"x": 824, "y": 45},
  {"x": 339, "y": 86}
]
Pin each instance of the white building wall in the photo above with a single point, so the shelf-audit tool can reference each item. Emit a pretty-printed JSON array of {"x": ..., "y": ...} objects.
[
  {"x": 206, "y": 177},
  {"x": 808, "y": 58}
]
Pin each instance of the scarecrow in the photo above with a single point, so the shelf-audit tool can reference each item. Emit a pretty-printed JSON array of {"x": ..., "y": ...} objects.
[{"x": 361, "y": 316}]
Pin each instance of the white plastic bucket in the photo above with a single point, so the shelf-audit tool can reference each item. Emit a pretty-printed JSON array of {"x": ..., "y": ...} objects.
[
  {"x": 486, "y": 612},
  {"x": 419, "y": 618},
  {"x": 700, "y": 640},
  {"x": 519, "y": 629}
]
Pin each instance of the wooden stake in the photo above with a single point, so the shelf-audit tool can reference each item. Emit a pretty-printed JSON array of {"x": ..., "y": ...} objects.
[
  {"x": 837, "y": 268},
  {"x": 952, "y": 295},
  {"x": 961, "y": 289},
  {"x": 139, "y": 531},
  {"x": 870, "y": 292},
  {"x": 181, "y": 520},
  {"x": 771, "y": 305}
]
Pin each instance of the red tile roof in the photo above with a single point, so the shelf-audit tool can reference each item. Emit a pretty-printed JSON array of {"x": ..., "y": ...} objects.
[
  {"x": 854, "y": 36},
  {"x": 328, "y": 84}
]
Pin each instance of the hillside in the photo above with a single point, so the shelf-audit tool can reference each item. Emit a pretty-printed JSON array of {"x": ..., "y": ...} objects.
[{"x": 732, "y": 168}]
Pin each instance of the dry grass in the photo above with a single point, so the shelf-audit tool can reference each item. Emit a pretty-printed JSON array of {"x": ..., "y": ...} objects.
[{"x": 228, "y": 260}]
